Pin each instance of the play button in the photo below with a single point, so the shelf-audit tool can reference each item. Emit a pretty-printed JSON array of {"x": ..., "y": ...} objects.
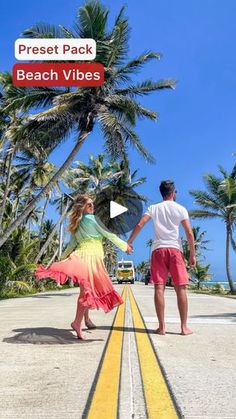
[{"x": 116, "y": 209}]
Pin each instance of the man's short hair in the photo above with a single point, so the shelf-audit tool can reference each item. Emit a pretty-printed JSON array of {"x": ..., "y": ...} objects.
[{"x": 166, "y": 187}]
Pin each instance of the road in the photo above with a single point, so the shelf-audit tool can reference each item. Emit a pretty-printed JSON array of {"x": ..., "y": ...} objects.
[{"x": 125, "y": 371}]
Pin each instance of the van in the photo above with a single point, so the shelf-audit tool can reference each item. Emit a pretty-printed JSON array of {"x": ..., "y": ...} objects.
[{"x": 125, "y": 271}]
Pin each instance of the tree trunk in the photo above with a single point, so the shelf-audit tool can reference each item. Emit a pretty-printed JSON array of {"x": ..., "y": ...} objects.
[
  {"x": 3, "y": 205},
  {"x": 52, "y": 259},
  {"x": 61, "y": 229},
  {"x": 29, "y": 230},
  {"x": 43, "y": 214},
  {"x": 229, "y": 276},
  {"x": 47, "y": 188},
  {"x": 50, "y": 237},
  {"x": 16, "y": 207}
]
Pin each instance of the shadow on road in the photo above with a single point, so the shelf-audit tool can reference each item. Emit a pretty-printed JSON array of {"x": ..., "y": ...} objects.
[
  {"x": 134, "y": 330},
  {"x": 53, "y": 336},
  {"x": 46, "y": 336}
]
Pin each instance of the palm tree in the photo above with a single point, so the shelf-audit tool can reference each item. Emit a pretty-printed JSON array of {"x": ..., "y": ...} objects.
[
  {"x": 31, "y": 173},
  {"x": 105, "y": 181},
  {"x": 200, "y": 273},
  {"x": 8, "y": 164},
  {"x": 10, "y": 121},
  {"x": 112, "y": 105},
  {"x": 7, "y": 153},
  {"x": 17, "y": 254},
  {"x": 143, "y": 267},
  {"x": 92, "y": 177},
  {"x": 199, "y": 240},
  {"x": 219, "y": 201},
  {"x": 122, "y": 190},
  {"x": 52, "y": 245},
  {"x": 110, "y": 258},
  {"x": 200, "y": 244},
  {"x": 51, "y": 236},
  {"x": 21, "y": 167}
]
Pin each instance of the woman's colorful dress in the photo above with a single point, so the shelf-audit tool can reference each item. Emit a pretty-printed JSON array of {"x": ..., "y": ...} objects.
[{"x": 85, "y": 265}]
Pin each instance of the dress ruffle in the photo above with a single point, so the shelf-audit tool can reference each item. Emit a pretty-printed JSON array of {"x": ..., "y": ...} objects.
[{"x": 88, "y": 270}]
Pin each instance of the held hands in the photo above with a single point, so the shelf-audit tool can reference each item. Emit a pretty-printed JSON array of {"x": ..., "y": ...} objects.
[{"x": 129, "y": 248}]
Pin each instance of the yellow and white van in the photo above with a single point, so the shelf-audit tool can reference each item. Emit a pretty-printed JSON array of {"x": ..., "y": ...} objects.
[{"x": 125, "y": 271}]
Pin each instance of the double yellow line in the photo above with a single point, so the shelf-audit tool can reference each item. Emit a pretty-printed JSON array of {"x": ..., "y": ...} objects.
[
  {"x": 159, "y": 403},
  {"x": 105, "y": 398},
  {"x": 104, "y": 404}
]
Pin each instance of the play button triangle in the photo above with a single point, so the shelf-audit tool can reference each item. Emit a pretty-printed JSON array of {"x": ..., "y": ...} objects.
[{"x": 116, "y": 209}]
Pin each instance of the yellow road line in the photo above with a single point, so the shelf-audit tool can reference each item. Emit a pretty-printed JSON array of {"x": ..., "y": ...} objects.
[
  {"x": 159, "y": 404},
  {"x": 104, "y": 403}
]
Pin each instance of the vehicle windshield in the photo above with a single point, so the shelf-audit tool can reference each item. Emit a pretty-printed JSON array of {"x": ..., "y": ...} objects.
[{"x": 125, "y": 265}]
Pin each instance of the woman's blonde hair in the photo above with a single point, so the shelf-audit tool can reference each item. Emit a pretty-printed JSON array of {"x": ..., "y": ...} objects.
[{"x": 77, "y": 212}]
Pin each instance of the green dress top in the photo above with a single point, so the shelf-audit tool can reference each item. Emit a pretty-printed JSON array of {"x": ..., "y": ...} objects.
[{"x": 90, "y": 230}]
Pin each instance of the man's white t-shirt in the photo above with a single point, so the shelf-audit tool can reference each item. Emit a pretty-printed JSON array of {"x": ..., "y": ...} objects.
[{"x": 167, "y": 217}]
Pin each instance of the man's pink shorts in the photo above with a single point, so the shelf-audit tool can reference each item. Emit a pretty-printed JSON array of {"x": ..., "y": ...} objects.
[{"x": 168, "y": 260}]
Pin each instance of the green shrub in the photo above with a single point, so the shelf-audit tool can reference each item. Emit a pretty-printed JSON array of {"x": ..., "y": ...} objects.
[
  {"x": 5, "y": 271},
  {"x": 218, "y": 289},
  {"x": 18, "y": 287}
]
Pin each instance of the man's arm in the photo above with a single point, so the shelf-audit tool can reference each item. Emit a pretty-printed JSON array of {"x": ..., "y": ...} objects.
[
  {"x": 190, "y": 237},
  {"x": 145, "y": 218}
]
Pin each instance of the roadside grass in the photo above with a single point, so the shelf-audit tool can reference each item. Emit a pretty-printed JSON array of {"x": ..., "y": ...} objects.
[{"x": 217, "y": 289}]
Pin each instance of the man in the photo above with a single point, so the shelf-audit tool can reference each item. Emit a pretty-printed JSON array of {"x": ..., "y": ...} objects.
[{"x": 167, "y": 256}]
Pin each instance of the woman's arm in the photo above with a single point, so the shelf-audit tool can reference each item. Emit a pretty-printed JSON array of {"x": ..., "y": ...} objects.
[
  {"x": 121, "y": 244},
  {"x": 70, "y": 247}
]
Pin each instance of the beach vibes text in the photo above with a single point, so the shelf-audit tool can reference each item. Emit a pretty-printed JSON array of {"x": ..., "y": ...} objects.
[{"x": 58, "y": 74}]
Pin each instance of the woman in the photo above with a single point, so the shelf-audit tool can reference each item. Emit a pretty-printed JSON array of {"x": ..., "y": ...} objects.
[{"x": 85, "y": 263}]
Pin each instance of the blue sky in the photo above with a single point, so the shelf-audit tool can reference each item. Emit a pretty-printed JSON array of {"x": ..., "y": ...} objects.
[{"x": 196, "y": 129}]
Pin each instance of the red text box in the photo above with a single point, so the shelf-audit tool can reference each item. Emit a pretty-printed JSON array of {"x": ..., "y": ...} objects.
[{"x": 58, "y": 74}]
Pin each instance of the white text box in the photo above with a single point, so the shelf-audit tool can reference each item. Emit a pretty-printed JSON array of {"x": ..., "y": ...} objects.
[{"x": 55, "y": 49}]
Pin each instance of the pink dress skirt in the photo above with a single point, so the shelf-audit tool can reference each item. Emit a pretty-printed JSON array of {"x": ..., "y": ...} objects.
[{"x": 85, "y": 266}]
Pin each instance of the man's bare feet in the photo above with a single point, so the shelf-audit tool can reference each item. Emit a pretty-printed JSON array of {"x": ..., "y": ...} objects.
[
  {"x": 186, "y": 331},
  {"x": 90, "y": 325},
  {"x": 77, "y": 329},
  {"x": 160, "y": 331}
]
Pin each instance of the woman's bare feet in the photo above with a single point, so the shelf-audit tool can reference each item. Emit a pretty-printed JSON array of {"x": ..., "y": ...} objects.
[
  {"x": 160, "y": 331},
  {"x": 77, "y": 329},
  {"x": 186, "y": 331},
  {"x": 89, "y": 324}
]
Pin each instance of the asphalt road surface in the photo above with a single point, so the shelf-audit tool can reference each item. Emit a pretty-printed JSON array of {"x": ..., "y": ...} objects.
[{"x": 123, "y": 369}]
